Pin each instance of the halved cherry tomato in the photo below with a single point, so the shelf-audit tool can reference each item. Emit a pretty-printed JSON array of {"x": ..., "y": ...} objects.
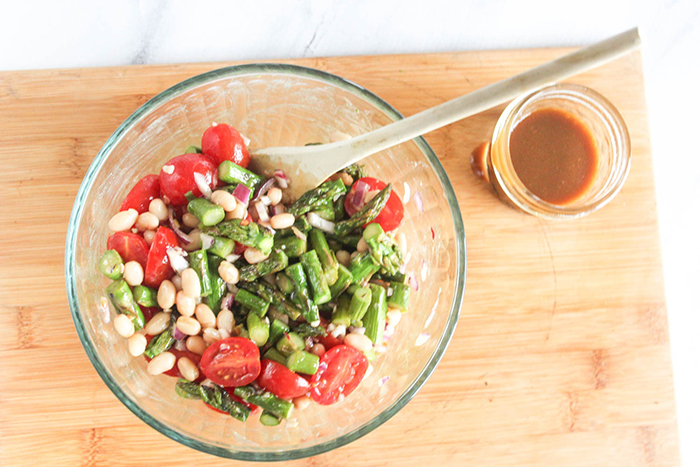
[
  {"x": 142, "y": 194},
  {"x": 390, "y": 217},
  {"x": 149, "y": 312},
  {"x": 224, "y": 143},
  {"x": 340, "y": 371},
  {"x": 328, "y": 340},
  {"x": 158, "y": 265},
  {"x": 231, "y": 362},
  {"x": 281, "y": 381},
  {"x": 130, "y": 246},
  {"x": 181, "y": 181}
]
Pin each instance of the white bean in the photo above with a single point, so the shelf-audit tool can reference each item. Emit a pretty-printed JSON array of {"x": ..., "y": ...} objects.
[
  {"x": 190, "y": 283},
  {"x": 254, "y": 256},
  {"x": 149, "y": 235},
  {"x": 205, "y": 316},
  {"x": 187, "y": 368},
  {"x": 224, "y": 321},
  {"x": 195, "y": 241},
  {"x": 343, "y": 257},
  {"x": 158, "y": 323},
  {"x": 147, "y": 221},
  {"x": 275, "y": 195},
  {"x": 185, "y": 304},
  {"x": 401, "y": 240},
  {"x": 123, "y": 220},
  {"x": 239, "y": 212},
  {"x": 393, "y": 316},
  {"x": 359, "y": 341},
  {"x": 137, "y": 344},
  {"x": 210, "y": 335},
  {"x": 302, "y": 402},
  {"x": 318, "y": 350},
  {"x": 224, "y": 199},
  {"x": 166, "y": 295},
  {"x": 282, "y": 221},
  {"x": 177, "y": 282},
  {"x": 228, "y": 272},
  {"x": 224, "y": 334},
  {"x": 124, "y": 326},
  {"x": 362, "y": 245},
  {"x": 196, "y": 344},
  {"x": 133, "y": 273},
  {"x": 159, "y": 209},
  {"x": 161, "y": 363},
  {"x": 190, "y": 220},
  {"x": 346, "y": 178},
  {"x": 188, "y": 325}
]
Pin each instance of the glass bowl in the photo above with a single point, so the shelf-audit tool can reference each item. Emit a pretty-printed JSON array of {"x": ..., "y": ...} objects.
[{"x": 273, "y": 105}]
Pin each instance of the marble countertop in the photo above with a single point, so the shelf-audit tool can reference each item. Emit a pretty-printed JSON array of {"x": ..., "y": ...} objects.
[{"x": 46, "y": 34}]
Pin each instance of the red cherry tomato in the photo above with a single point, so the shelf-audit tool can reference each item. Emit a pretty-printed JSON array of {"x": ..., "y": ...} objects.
[
  {"x": 149, "y": 312},
  {"x": 176, "y": 184},
  {"x": 328, "y": 340},
  {"x": 390, "y": 217},
  {"x": 223, "y": 143},
  {"x": 231, "y": 362},
  {"x": 130, "y": 246},
  {"x": 142, "y": 194},
  {"x": 281, "y": 381},
  {"x": 158, "y": 265},
  {"x": 340, "y": 371}
]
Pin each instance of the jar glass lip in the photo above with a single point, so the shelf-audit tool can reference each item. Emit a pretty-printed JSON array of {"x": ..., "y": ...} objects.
[{"x": 503, "y": 173}]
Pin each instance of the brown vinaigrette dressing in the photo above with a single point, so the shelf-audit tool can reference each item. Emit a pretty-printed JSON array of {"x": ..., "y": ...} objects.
[{"x": 555, "y": 155}]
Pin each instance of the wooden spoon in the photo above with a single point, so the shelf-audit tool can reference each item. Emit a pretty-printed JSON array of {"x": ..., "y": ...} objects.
[{"x": 308, "y": 166}]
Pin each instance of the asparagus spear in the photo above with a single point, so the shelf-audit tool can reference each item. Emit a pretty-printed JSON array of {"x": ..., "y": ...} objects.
[
  {"x": 314, "y": 271},
  {"x": 145, "y": 296},
  {"x": 265, "y": 400},
  {"x": 400, "y": 293},
  {"x": 111, "y": 265},
  {"x": 356, "y": 171},
  {"x": 347, "y": 241},
  {"x": 274, "y": 263},
  {"x": 258, "y": 329},
  {"x": 207, "y": 212},
  {"x": 359, "y": 304},
  {"x": 301, "y": 291},
  {"x": 344, "y": 280},
  {"x": 275, "y": 297},
  {"x": 233, "y": 174},
  {"x": 275, "y": 355},
  {"x": 187, "y": 389},
  {"x": 256, "y": 304},
  {"x": 123, "y": 300},
  {"x": 269, "y": 419},
  {"x": 365, "y": 215},
  {"x": 244, "y": 232},
  {"x": 290, "y": 342},
  {"x": 284, "y": 283},
  {"x": 292, "y": 246},
  {"x": 193, "y": 150},
  {"x": 218, "y": 285},
  {"x": 375, "y": 318},
  {"x": 339, "y": 208},
  {"x": 199, "y": 261},
  {"x": 320, "y": 197},
  {"x": 342, "y": 314},
  {"x": 218, "y": 398},
  {"x": 160, "y": 344},
  {"x": 306, "y": 330},
  {"x": 362, "y": 267},
  {"x": 277, "y": 330},
  {"x": 383, "y": 248},
  {"x": 325, "y": 255},
  {"x": 300, "y": 361},
  {"x": 222, "y": 247}
]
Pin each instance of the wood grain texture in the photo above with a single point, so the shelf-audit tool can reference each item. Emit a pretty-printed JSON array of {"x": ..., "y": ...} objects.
[{"x": 560, "y": 358}]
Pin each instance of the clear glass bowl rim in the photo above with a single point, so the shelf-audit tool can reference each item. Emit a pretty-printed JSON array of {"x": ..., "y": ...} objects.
[{"x": 187, "y": 85}]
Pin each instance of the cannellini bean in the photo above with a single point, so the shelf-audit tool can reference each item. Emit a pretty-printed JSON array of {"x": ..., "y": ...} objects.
[
  {"x": 401, "y": 240},
  {"x": 195, "y": 241},
  {"x": 254, "y": 256},
  {"x": 147, "y": 221},
  {"x": 275, "y": 195},
  {"x": 187, "y": 368},
  {"x": 158, "y": 323},
  {"x": 210, "y": 335},
  {"x": 188, "y": 325},
  {"x": 302, "y": 402},
  {"x": 166, "y": 295},
  {"x": 346, "y": 178},
  {"x": 318, "y": 350},
  {"x": 224, "y": 199},
  {"x": 137, "y": 344},
  {"x": 177, "y": 282},
  {"x": 224, "y": 321},
  {"x": 190, "y": 220},
  {"x": 124, "y": 326},
  {"x": 185, "y": 304},
  {"x": 196, "y": 344},
  {"x": 149, "y": 235},
  {"x": 359, "y": 341},
  {"x": 205, "y": 316},
  {"x": 159, "y": 209},
  {"x": 190, "y": 283},
  {"x": 239, "y": 212},
  {"x": 161, "y": 363},
  {"x": 393, "y": 316},
  {"x": 282, "y": 221},
  {"x": 362, "y": 245},
  {"x": 228, "y": 272},
  {"x": 224, "y": 334},
  {"x": 123, "y": 220},
  {"x": 343, "y": 257},
  {"x": 133, "y": 273}
]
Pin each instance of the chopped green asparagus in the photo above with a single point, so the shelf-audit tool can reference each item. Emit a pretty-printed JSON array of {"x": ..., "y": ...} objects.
[
  {"x": 400, "y": 294},
  {"x": 219, "y": 399},
  {"x": 218, "y": 285},
  {"x": 304, "y": 362},
  {"x": 306, "y": 330},
  {"x": 328, "y": 261},
  {"x": 199, "y": 261},
  {"x": 375, "y": 318},
  {"x": 277, "y": 261},
  {"x": 207, "y": 212},
  {"x": 244, "y": 232},
  {"x": 222, "y": 247},
  {"x": 290, "y": 342},
  {"x": 342, "y": 315},
  {"x": 383, "y": 248},
  {"x": 275, "y": 355},
  {"x": 356, "y": 171},
  {"x": 145, "y": 296},
  {"x": 275, "y": 297},
  {"x": 277, "y": 330},
  {"x": 339, "y": 208},
  {"x": 123, "y": 300},
  {"x": 319, "y": 197},
  {"x": 284, "y": 283},
  {"x": 269, "y": 419},
  {"x": 111, "y": 265},
  {"x": 266, "y": 401},
  {"x": 292, "y": 246},
  {"x": 233, "y": 174},
  {"x": 187, "y": 389},
  {"x": 344, "y": 280},
  {"x": 193, "y": 150},
  {"x": 359, "y": 304},
  {"x": 302, "y": 293},
  {"x": 365, "y": 215},
  {"x": 256, "y": 304},
  {"x": 348, "y": 242},
  {"x": 314, "y": 272},
  {"x": 362, "y": 267},
  {"x": 160, "y": 344},
  {"x": 258, "y": 329}
]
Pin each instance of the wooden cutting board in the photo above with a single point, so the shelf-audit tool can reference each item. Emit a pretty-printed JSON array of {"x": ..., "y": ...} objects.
[{"x": 561, "y": 356}]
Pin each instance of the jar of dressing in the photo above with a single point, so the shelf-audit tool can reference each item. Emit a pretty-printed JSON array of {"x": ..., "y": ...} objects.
[{"x": 560, "y": 152}]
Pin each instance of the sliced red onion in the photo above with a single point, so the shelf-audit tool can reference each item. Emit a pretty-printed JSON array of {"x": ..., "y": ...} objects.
[
  {"x": 320, "y": 223},
  {"x": 422, "y": 339},
  {"x": 232, "y": 258},
  {"x": 419, "y": 201},
  {"x": 178, "y": 258},
  {"x": 260, "y": 208},
  {"x": 406, "y": 259},
  {"x": 201, "y": 181},
  {"x": 298, "y": 233},
  {"x": 264, "y": 188},
  {"x": 406, "y": 193},
  {"x": 227, "y": 302},
  {"x": 358, "y": 199},
  {"x": 413, "y": 282},
  {"x": 423, "y": 269},
  {"x": 383, "y": 381},
  {"x": 177, "y": 334},
  {"x": 207, "y": 241},
  {"x": 242, "y": 194},
  {"x": 278, "y": 209},
  {"x": 282, "y": 179},
  {"x": 175, "y": 226}
]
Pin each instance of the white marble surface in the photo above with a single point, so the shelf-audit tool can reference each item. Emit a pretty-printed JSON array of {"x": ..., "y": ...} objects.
[{"x": 93, "y": 33}]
